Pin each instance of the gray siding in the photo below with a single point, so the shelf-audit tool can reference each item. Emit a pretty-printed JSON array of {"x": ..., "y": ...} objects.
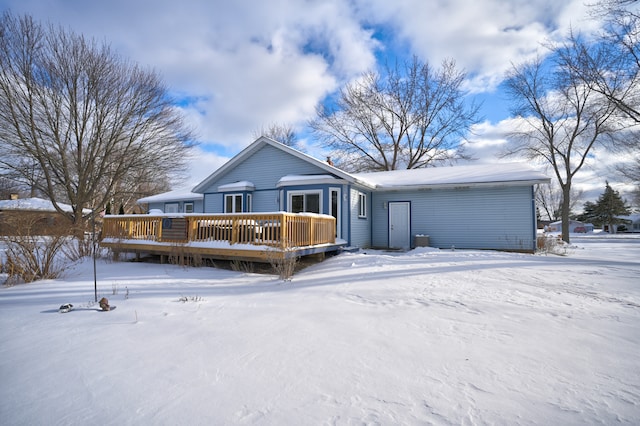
[
  {"x": 213, "y": 203},
  {"x": 266, "y": 201},
  {"x": 156, "y": 206},
  {"x": 360, "y": 227},
  {"x": 264, "y": 169},
  {"x": 474, "y": 218}
]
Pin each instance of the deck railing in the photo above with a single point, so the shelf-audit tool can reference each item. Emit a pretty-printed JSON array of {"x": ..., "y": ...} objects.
[{"x": 280, "y": 229}]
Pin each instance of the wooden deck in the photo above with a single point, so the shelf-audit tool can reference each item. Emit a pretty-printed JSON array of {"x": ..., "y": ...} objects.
[{"x": 242, "y": 236}]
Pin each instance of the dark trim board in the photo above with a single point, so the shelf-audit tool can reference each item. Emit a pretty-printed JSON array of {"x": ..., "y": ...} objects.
[{"x": 222, "y": 253}]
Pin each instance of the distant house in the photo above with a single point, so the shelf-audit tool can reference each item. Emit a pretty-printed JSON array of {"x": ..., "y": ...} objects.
[
  {"x": 178, "y": 201},
  {"x": 472, "y": 206},
  {"x": 575, "y": 226},
  {"x": 631, "y": 223},
  {"x": 36, "y": 213}
]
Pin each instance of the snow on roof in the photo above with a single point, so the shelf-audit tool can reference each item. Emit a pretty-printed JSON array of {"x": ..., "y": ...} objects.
[
  {"x": 305, "y": 179},
  {"x": 243, "y": 185},
  {"x": 634, "y": 217},
  {"x": 455, "y": 176},
  {"x": 176, "y": 195},
  {"x": 35, "y": 204}
]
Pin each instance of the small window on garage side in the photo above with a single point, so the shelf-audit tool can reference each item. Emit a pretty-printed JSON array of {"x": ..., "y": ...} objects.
[
  {"x": 362, "y": 205},
  {"x": 172, "y": 208},
  {"x": 188, "y": 207}
]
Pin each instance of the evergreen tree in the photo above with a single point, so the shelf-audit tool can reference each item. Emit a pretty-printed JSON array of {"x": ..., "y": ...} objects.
[
  {"x": 121, "y": 210},
  {"x": 606, "y": 209},
  {"x": 107, "y": 210},
  {"x": 589, "y": 215}
]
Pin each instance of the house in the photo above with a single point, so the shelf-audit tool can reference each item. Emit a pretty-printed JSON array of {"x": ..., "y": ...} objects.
[
  {"x": 631, "y": 223},
  {"x": 175, "y": 202},
  {"x": 467, "y": 207},
  {"x": 575, "y": 226},
  {"x": 34, "y": 216}
]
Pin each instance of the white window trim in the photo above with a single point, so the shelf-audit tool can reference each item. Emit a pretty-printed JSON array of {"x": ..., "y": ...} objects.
[
  {"x": 234, "y": 197},
  {"x": 338, "y": 192},
  {"x": 291, "y": 194},
  {"x": 172, "y": 207},
  {"x": 362, "y": 205}
]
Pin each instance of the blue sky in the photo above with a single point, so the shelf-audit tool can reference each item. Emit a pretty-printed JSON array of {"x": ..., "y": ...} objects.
[{"x": 240, "y": 66}]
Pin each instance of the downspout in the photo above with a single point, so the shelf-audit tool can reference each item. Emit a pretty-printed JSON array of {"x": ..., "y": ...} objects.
[
  {"x": 348, "y": 209},
  {"x": 535, "y": 219}
]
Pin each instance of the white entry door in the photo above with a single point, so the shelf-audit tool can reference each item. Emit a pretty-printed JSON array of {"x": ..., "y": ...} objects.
[{"x": 399, "y": 220}]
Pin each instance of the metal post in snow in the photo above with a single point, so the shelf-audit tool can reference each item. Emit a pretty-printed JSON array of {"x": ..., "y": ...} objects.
[{"x": 93, "y": 246}]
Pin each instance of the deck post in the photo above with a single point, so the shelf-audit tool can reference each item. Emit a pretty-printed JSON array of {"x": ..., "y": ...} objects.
[
  {"x": 158, "y": 229},
  {"x": 234, "y": 230},
  {"x": 312, "y": 231},
  {"x": 284, "y": 231},
  {"x": 191, "y": 229}
]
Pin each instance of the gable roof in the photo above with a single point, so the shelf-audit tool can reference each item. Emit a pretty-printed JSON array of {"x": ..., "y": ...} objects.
[{"x": 263, "y": 141}]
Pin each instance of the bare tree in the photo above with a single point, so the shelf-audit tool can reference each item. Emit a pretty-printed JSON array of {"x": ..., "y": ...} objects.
[
  {"x": 280, "y": 132},
  {"x": 611, "y": 64},
  {"x": 8, "y": 186},
  {"x": 630, "y": 172},
  {"x": 91, "y": 122},
  {"x": 562, "y": 119},
  {"x": 549, "y": 198},
  {"x": 407, "y": 118}
]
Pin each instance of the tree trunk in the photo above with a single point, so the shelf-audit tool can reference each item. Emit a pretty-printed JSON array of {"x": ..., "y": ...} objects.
[{"x": 566, "y": 206}]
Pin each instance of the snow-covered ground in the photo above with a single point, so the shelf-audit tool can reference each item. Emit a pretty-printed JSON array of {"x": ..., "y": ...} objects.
[{"x": 425, "y": 337}]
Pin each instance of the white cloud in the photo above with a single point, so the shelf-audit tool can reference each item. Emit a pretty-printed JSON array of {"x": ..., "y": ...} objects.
[
  {"x": 249, "y": 63},
  {"x": 490, "y": 140},
  {"x": 245, "y": 64},
  {"x": 487, "y": 141},
  {"x": 203, "y": 163},
  {"x": 252, "y": 63},
  {"x": 484, "y": 37}
]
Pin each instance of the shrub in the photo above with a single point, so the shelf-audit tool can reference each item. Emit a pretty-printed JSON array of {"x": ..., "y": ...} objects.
[
  {"x": 551, "y": 244},
  {"x": 242, "y": 266},
  {"x": 283, "y": 263},
  {"x": 30, "y": 257}
]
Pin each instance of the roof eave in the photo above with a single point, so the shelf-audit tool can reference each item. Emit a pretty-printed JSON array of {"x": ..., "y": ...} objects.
[
  {"x": 161, "y": 198},
  {"x": 461, "y": 185}
]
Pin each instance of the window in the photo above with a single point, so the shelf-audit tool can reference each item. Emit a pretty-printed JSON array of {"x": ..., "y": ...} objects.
[
  {"x": 188, "y": 207},
  {"x": 171, "y": 208},
  {"x": 233, "y": 203},
  {"x": 362, "y": 204},
  {"x": 304, "y": 202},
  {"x": 249, "y": 203}
]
